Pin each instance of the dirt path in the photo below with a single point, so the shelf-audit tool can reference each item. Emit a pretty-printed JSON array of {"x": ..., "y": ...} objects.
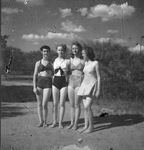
[{"x": 19, "y": 131}]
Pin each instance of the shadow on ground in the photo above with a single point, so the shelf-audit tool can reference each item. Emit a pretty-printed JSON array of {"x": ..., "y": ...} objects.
[
  {"x": 17, "y": 94},
  {"x": 112, "y": 121}
]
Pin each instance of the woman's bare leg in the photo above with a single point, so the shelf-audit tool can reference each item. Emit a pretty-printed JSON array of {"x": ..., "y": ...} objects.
[
  {"x": 77, "y": 109},
  {"x": 72, "y": 109},
  {"x": 86, "y": 123},
  {"x": 89, "y": 112},
  {"x": 46, "y": 96},
  {"x": 55, "y": 93},
  {"x": 39, "y": 107},
  {"x": 63, "y": 96}
]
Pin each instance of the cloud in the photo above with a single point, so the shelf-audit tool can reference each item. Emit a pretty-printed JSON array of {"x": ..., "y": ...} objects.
[
  {"x": 112, "y": 11},
  {"x": 83, "y": 11},
  {"x": 69, "y": 26},
  {"x": 11, "y": 10},
  {"x": 65, "y": 12},
  {"x": 112, "y": 31},
  {"x": 106, "y": 40},
  {"x": 36, "y": 43},
  {"x": 32, "y": 2},
  {"x": 137, "y": 49},
  {"x": 50, "y": 35}
]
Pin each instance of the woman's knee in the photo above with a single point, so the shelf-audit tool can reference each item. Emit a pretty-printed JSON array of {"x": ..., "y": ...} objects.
[
  {"x": 39, "y": 103},
  {"x": 55, "y": 104},
  {"x": 72, "y": 104},
  {"x": 45, "y": 105},
  {"x": 62, "y": 104},
  {"x": 87, "y": 108},
  {"x": 77, "y": 105}
]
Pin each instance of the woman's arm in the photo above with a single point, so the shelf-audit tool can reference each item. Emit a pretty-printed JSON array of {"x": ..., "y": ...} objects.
[
  {"x": 35, "y": 78},
  {"x": 67, "y": 70},
  {"x": 98, "y": 78}
]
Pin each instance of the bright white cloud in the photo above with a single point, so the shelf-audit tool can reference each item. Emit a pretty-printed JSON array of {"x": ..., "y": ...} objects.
[
  {"x": 32, "y": 2},
  {"x": 65, "y": 12},
  {"x": 69, "y": 26},
  {"x": 83, "y": 11},
  {"x": 112, "y": 11},
  {"x": 50, "y": 35},
  {"x": 112, "y": 31},
  {"x": 137, "y": 48},
  {"x": 103, "y": 40},
  {"x": 11, "y": 10}
]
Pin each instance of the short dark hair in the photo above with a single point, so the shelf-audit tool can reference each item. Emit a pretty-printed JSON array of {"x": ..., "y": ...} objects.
[
  {"x": 63, "y": 46},
  {"x": 45, "y": 47},
  {"x": 79, "y": 49},
  {"x": 89, "y": 52}
]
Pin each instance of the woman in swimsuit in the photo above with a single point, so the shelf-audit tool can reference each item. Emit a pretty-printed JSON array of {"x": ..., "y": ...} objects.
[
  {"x": 60, "y": 84},
  {"x": 76, "y": 66},
  {"x": 90, "y": 87},
  {"x": 42, "y": 84}
]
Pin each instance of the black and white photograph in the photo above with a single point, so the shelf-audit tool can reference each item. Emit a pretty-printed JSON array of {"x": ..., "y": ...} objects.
[{"x": 72, "y": 75}]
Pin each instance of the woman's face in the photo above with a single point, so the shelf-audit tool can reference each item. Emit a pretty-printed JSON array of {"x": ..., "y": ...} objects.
[
  {"x": 84, "y": 55},
  {"x": 75, "y": 49},
  {"x": 46, "y": 53},
  {"x": 60, "y": 51}
]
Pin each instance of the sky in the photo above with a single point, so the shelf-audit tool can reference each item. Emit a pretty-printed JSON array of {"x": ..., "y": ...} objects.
[{"x": 33, "y": 23}]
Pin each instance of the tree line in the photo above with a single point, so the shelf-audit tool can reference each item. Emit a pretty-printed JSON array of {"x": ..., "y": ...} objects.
[{"x": 122, "y": 72}]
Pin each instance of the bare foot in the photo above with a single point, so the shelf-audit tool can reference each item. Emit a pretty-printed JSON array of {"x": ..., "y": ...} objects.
[
  {"x": 40, "y": 124},
  {"x": 61, "y": 126},
  {"x": 75, "y": 127},
  {"x": 70, "y": 126},
  {"x": 82, "y": 130},
  {"x": 89, "y": 130},
  {"x": 45, "y": 125},
  {"x": 53, "y": 125}
]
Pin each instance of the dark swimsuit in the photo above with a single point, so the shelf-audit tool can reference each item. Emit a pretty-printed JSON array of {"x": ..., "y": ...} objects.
[
  {"x": 60, "y": 81},
  {"x": 45, "y": 82},
  {"x": 75, "y": 80}
]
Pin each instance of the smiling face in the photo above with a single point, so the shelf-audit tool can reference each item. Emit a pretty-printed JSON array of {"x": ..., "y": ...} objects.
[
  {"x": 45, "y": 53},
  {"x": 75, "y": 49},
  {"x": 60, "y": 51}
]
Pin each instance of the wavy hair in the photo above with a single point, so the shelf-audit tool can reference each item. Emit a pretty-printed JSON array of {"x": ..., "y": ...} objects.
[
  {"x": 89, "y": 52},
  {"x": 45, "y": 47},
  {"x": 64, "y": 47},
  {"x": 79, "y": 55}
]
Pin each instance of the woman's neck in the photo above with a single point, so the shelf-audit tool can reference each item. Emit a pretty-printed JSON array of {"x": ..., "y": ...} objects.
[
  {"x": 60, "y": 57},
  {"x": 45, "y": 59},
  {"x": 75, "y": 56}
]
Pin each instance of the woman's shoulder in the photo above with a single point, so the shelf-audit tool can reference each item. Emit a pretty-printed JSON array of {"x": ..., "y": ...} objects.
[
  {"x": 82, "y": 61},
  {"x": 38, "y": 62},
  {"x": 96, "y": 63},
  {"x": 67, "y": 60}
]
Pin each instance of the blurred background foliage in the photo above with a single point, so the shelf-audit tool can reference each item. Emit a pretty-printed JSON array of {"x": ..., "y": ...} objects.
[{"x": 122, "y": 71}]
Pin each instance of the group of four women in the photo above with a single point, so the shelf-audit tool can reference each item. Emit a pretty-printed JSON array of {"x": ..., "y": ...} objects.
[{"x": 78, "y": 77}]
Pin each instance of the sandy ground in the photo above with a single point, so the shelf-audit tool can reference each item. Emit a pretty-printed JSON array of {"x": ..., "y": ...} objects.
[
  {"x": 19, "y": 132},
  {"x": 112, "y": 132}
]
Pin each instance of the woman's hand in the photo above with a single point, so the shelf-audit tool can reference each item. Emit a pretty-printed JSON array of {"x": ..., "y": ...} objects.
[{"x": 36, "y": 91}]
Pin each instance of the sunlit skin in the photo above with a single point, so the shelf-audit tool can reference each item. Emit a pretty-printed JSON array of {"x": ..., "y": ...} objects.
[
  {"x": 75, "y": 50},
  {"x": 72, "y": 92},
  {"x": 84, "y": 55},
  {"x": 60, "y": 52},
  {"x": 88, "y": 100},
  {"x": 42, "y": 95},
  {"x": 59, "y": 96}
]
